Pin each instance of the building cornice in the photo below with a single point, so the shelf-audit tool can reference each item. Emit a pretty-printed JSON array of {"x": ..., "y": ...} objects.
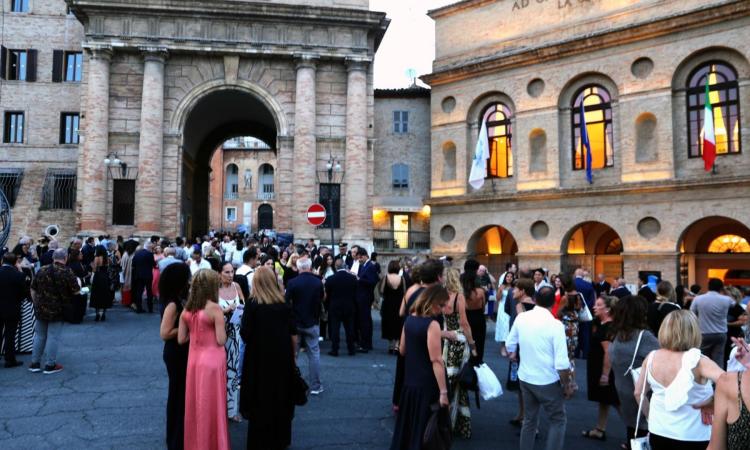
[
  {"x": 587, "y": 43},
  {"x": 456, "y": 7}
]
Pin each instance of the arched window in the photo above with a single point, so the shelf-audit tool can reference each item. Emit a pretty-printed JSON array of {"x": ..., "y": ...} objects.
[
  {"x": 497, "y": 118},
  {"x": 232, "y": 188},
  {"x": 724, "y": 95},
  {"x": 597, "y": 106}
]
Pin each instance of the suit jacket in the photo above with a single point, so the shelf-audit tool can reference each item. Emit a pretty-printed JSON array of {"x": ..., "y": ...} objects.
[
  {"x": 587, "y": 290},
  {"x": 341, "y": 291},
  {"x": 368, "y": 278},
  {"x": 620, "y": 292},
  {"x": 305, "y": 293},
  {"x": 602, "y": 287},
  {"x": 143, "y": 263},
  {"x": 13, "y": 291}
]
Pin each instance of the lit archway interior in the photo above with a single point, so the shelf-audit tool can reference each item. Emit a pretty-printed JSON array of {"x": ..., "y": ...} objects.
[
  {"x": 493, "y": 246},
  {"x": 218, "y": 116},
  {"x": 711, "y": 247},
  {"x": 594, "y": 246}
]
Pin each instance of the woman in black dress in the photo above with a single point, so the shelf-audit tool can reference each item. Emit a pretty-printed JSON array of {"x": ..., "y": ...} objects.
[
  {"x": 173, "y": 287},
  {"x": 424, "y": 380},
  {"x": 476, "y": 299},
  {"x": 270, "y": 338},
  {"x": 102, "y": 294},
  {"x": 599, "y": 375},
  {"x": 392, "y": 288}
]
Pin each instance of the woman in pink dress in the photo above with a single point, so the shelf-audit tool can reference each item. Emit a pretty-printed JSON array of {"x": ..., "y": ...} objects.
[{"x": 202, "y": 324}]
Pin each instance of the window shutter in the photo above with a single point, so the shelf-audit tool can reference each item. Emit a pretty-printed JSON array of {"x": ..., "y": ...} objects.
[
  {"x": 31, "y": 65},
  {"x": 3, "y": 62},
  {"x": 394, "y": 175},
  {"x": 404, "y": 175},
  {"x": 405, "y": 121},
  {"x": 57, "y": 66}
]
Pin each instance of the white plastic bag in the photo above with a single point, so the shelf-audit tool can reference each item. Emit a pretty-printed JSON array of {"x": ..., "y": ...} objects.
[{"x": 489, "y": 386}]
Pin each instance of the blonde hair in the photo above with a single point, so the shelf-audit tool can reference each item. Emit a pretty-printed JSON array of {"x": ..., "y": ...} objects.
[
  {"x": 453, "y": 280},
  {"x": 431, "y": 296},
  {"x": 205, "y": 287},
  {"x": 266, "y": 289},
  {"x": 680, "y": 331}
]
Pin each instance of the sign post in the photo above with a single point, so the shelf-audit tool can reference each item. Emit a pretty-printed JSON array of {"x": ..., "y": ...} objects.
[{"x": 316, "y": 215}]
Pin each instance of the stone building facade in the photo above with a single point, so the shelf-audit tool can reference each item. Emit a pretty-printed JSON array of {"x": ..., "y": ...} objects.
[{"x": 639, "y": 69}]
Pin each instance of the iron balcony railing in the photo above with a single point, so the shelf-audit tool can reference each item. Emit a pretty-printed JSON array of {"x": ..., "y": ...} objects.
[
  {"x": 389, "y": 240},
  {"x": 266, "y": 196}
]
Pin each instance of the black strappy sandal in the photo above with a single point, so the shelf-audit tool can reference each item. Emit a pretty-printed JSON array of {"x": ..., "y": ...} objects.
[{"x": 595, "y": 434}]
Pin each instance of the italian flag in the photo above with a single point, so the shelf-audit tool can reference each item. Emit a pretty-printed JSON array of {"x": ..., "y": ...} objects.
[{"x": 709, "y": 138}]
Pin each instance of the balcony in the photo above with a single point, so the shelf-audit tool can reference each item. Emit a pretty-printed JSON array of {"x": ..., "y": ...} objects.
[
  {"x": 231, "y": 195},
  {"x": 267, "y": 196},
  {"x": 395, "y": 240}
]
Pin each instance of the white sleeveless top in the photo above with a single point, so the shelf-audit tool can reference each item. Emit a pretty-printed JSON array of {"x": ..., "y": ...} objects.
[
  {"x": 671, "y": 413},
  {"x": 224, "y": 304}
]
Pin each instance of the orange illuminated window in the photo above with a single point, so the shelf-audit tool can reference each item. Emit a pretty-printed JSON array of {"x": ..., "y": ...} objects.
[
  {"x": 498, "y": 120},
  {"x": 729, "y": 243},
  {"x": 597, "y": 106}
]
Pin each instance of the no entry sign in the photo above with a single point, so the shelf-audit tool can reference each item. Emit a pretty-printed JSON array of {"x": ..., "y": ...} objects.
[{"x": 316, "y": 214}]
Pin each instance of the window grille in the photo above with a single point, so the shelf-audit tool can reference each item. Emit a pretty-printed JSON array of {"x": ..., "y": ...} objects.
[
  {"x": 59, "y": 190},
  {"x": 10, "y": 183}
]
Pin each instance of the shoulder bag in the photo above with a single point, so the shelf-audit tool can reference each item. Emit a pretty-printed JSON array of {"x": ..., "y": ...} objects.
[
  {"x": 437, "y": 433},
  {"x": 299, "y": 388},
  {"x": 635, "y": 372},
  {"x": 585, "y": 314}
]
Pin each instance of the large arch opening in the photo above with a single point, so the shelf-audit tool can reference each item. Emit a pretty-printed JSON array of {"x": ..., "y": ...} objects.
[
  {"x": 715, "y": 247},
  {"x": 594, "y": 246},
  {"x": 493, "y": 246},
  {"x": 218, "y": 116}
]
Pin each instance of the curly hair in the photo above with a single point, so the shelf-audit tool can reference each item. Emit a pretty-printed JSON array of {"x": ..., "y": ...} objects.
[
  {"x": 453, "y": 280},
  {"x": 205, "y": 287}
]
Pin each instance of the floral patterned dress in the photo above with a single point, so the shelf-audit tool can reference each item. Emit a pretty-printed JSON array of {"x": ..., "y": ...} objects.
[{"x": 455, "y": 355}]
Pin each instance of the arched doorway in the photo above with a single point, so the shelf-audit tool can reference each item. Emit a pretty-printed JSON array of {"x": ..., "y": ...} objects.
[
  {"x": 265, "y": 217},
  {"x": 713, "y": 247},
  {"x": 223, "y": 113},
  {"x": 493, "y": 246},
  {"x": 594, "y": 246}
]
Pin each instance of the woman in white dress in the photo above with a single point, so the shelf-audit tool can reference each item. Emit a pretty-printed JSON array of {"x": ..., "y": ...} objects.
[
  {"x": 502, "y": 323},
  {"x": 230, "y": 298}
]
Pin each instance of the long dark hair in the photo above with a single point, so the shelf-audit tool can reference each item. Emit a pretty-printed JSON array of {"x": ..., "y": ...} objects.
[
  {"x": 629, "y": 316},
  {"x": 174, "y": 283},
  {"x": 469, "y": 279}
]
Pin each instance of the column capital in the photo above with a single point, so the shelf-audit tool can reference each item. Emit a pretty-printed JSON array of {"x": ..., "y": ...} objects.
[
  {"x": 305, "y": 60},
  {"x": 154, "y": 53},
  {"x": 357, "y": 64},
  {"x": 100, "y": 52}
]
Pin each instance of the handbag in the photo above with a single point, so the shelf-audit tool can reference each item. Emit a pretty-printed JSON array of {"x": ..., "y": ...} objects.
[
  {"x": 437, "y": 433},
  {"x": 468, "y": 380},
  {"x": 640, "y": 443},
  {"x": 635, "y": 373},
  {"x": 299, "y": 388},
  {"x": 489, "y": 385},
  {"x": 585, "y": 314}
]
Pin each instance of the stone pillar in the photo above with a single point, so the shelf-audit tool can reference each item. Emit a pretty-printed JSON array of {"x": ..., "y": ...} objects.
[
  {"x": 305, "y": 148},
  {"x": 148, "y": 194},
  {"x": 357, "y": 213},
  {"x": 93, "y": 179}
]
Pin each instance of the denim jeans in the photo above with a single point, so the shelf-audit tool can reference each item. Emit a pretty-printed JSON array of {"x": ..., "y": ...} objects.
[
  {"x": 46, "y": 338},
  {"x": 310, "y": 335}
]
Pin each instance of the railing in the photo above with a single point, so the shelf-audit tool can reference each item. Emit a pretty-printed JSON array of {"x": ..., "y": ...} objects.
[
  {"x": 266, "y": 196},
  {"x": 231, "y": 195},
  {"x": 388, "y": 240}
]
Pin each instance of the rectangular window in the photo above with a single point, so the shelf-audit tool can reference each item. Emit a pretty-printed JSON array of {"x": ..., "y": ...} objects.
[
  {"x": 73, "y": 66},
  {"x": 400, "y": 122},
  {"x": 17, "y": 60},
  {"x": 69, "y": 128},
  {"x": 231, "y": 214},
  {"x": 59, "y": 191},
  {"x": 19, "y": 5},
  {"x": 10, "y": 182},
  {"x": 400, "y": 174},
  {"x": 330, "y": 198},
  {"x": 123, "y": 202},
  {"x": 14, "y": 123}
]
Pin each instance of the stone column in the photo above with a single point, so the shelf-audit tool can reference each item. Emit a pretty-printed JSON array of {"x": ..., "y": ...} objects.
[
  {"x": 93, "y": 179},
  {"x": 148, "y": 194},
  {"x": 355, "y": 187},
  {"x": 305, "y": 148}
]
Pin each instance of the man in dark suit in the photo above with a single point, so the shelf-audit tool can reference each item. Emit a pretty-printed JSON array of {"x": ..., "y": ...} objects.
[
  {"x": 621, "y": 290},
  {"x": 88, "y": 250},
  {"x": 143, "y": 265},
  {"x": 367, "y": 278},
  {"x": 602, "y": 285},
  {"x": 341, "y": 302},
  {"x": 13, "y": 289}
]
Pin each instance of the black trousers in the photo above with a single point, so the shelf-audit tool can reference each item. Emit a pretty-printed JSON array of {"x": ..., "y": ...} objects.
[
  {"x": 336, "y": 319},
  {"x": 478, "y": 326},
  {"x": 10, "y": 325},
  {"x": 138, "y": 285},
  {"x": 363, "y": 323},
  {"x": 662, "y": 443}
]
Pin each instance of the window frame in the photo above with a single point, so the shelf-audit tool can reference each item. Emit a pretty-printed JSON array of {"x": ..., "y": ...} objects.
[
  {"x": 77, "y": 68},
  {"x": 10, "y": 184},
  {"x": 226, "y": 214},
  {"x": 121, "y": 215},
  {"x": 52, "y": 199},
  {"x": 575, "y": 128},
  {"x": 27, "y": 3},
  {"x": 22, "y": 65},
  {"x": 400, "y": 176},
  {"x": 698, "y": 92},
  {"x": 508, "y": 124},
  {"x": 75, "y": 136},
  {"x": 400, "y": 122},
  {"x": 7, "y": 118}
]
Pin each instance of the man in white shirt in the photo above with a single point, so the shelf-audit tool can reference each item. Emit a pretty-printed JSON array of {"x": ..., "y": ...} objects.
[
  {"x": 198, "y": 263},
  {"x": 544, "y": 370},
  {"x": 247, "y": 269}
]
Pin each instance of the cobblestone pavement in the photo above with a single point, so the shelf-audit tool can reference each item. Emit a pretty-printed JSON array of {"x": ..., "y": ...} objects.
[{"x": 112, "y": 394}]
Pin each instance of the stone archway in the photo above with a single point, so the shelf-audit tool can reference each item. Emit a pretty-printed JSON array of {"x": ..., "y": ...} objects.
[
  {"x": 494, "y": 246},
  {"x": 594, "y": 246},
  {"x": 711, "y": 247}
]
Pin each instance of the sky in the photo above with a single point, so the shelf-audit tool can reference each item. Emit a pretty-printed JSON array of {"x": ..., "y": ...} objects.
[{"x": 409, "y": 42}]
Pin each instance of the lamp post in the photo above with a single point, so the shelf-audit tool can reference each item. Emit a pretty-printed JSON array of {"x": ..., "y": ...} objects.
[{"x": 332, "y": 166}]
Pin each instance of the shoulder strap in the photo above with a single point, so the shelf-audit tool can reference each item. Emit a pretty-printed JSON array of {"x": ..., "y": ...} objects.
[
  {"x": 635, "y": 353},
  {"x": 739, "y": 392},
  {"x": 643, "y": 396}
]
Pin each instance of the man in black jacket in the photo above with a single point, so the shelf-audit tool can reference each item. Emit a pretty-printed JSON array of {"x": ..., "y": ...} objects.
[
  {"x": 143, "y": 276},
  {"x": 13, "y": 288},
  {"x": 367, "y": 278},
  {"x": 341, "y": 302}
]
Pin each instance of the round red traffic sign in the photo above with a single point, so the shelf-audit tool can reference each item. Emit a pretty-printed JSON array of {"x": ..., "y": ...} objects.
[{"x": 316, "y": 214}]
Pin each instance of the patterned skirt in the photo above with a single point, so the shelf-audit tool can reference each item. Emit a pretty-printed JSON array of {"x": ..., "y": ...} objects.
[
  {"x": 455, "y": 355},
  {"x": 233, "y": 360}
]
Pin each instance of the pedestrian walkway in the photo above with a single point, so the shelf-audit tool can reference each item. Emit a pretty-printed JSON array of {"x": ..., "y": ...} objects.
[{"x": 112, "y": 394}]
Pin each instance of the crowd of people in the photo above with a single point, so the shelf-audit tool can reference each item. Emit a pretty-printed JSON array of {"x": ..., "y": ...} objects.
[{"x": 237, "y": 310}]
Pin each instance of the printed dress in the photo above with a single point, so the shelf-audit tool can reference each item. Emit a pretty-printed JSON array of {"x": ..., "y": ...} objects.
[
  {"x": 455, "y": 355},
  {"x": 233, "y": 358}
]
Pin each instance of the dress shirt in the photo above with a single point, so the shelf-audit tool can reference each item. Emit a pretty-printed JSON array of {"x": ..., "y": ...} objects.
[
  {"x": 544, "y": 350},
  {"x": 195, "y": 267},
  {"x": 169, "y": 260}
]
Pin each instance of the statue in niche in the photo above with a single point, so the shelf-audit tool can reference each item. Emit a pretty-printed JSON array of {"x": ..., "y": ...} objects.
[{"x": 248, "y": 178}]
